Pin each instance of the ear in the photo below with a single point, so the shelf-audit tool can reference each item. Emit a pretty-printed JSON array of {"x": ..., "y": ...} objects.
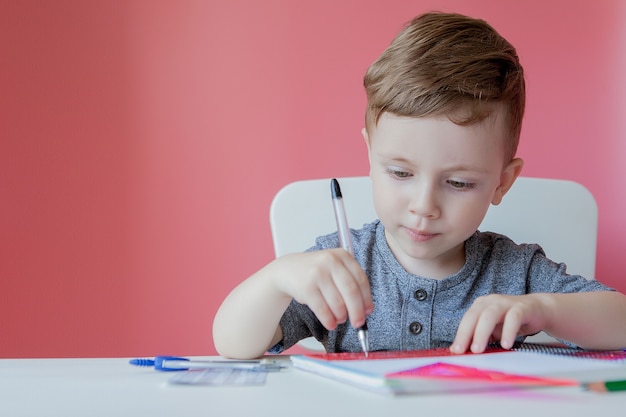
[
  {"x": 366, "y": 138},
  {"x": 507, "y": 178}
]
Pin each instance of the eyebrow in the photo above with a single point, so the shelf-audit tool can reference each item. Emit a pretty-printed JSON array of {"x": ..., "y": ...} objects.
[
  {"x": 452, "y": 168},
  {"x": 465, "y": 168}
]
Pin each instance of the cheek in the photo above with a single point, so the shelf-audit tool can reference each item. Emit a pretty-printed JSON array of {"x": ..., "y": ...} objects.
[
  {"x": 472, "y": 211},
  {"x": 385, "y": 200},
  {"x": 390, "y": 203}
]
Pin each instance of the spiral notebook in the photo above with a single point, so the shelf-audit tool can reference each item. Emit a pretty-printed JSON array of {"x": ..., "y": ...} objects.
[{"x": 439, "y": 371}]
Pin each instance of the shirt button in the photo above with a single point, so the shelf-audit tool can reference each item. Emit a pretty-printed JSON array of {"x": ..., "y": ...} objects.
[
  {"x": 420, "y": 295},
  {"x": 415, "y": 328}
]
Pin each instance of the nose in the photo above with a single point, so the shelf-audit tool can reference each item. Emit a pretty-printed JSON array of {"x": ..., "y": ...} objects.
[{"x": 424, "y": 202}]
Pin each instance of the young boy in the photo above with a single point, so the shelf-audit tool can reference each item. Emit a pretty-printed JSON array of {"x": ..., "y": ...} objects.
[{"x": 443, "y": 119}]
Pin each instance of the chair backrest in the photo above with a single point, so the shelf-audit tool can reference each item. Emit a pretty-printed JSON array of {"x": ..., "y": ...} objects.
[{"x": 560, "y": 215}]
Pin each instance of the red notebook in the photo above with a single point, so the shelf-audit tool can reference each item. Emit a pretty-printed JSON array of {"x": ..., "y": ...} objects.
[{"x": 438, "y": 370}]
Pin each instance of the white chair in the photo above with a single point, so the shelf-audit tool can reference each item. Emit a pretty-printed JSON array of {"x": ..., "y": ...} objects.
[{"x": 560, "y": 215}]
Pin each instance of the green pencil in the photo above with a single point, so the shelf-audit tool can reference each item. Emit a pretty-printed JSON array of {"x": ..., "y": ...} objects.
[{"x": 606, "y": 386}]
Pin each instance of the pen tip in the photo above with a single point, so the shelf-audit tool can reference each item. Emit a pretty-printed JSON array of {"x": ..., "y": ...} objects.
[{"x": 334, "y": 188}]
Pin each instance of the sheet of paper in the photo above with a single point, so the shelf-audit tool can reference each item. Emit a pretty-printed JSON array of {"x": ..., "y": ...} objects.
[{"x": 219, "y": 376}]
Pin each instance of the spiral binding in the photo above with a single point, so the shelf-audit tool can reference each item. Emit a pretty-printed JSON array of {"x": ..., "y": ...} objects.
[{"x": 612, "y": 355}]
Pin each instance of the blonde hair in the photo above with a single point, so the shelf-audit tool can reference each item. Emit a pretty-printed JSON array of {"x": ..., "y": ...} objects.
[{"x": 448, "y": 64}]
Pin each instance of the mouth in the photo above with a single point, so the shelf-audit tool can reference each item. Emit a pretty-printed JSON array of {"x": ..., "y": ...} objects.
[{"x": 420, "y": 235}]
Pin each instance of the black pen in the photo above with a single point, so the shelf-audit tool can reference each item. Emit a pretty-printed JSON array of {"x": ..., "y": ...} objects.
[{"x": 343, "y": 232}]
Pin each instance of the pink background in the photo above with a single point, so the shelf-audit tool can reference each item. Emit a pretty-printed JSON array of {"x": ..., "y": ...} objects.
[{"x": 141, "y": 143}]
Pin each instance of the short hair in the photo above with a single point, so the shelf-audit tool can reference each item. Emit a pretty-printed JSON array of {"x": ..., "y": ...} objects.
[{"x": 448, "y": 64}]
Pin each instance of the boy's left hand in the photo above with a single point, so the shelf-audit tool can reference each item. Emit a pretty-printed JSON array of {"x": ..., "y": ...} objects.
[{"x": 496, "y": 317}]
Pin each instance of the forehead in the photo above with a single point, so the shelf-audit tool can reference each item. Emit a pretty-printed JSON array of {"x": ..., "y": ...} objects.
[
  {"x": 439, "y": 139},
  {"x": 493, "y": 124}
]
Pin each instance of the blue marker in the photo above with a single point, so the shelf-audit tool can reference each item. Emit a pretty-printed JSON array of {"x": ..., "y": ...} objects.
[{"x": 176, "y": 363}]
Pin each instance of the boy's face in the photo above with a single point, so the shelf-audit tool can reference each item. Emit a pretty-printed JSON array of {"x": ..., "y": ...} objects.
[{"x": 433, "y": 182}]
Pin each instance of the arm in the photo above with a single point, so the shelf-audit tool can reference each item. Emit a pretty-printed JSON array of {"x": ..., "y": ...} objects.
[
  {"x": 592, "y": 320},
  {"x": 330, "y": 282}
]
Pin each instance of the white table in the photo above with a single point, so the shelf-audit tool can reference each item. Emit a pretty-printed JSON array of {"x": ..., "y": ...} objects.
[{"x": 111, "y": 387}]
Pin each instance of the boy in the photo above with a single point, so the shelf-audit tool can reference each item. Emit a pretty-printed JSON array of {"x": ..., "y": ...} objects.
[{"x": 443, "y": 119}]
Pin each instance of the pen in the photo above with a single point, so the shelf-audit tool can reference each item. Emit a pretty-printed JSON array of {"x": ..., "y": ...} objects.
[
  {"x": 176, "y": 363},
  {"x": 343, "y": 232},
  {"x": 605, "y": 386}
]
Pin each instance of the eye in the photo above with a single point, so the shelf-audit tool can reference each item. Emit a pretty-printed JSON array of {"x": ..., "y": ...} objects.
[
  {"x": 461, "y": 185},
  {"x": 398, "y": 173}
]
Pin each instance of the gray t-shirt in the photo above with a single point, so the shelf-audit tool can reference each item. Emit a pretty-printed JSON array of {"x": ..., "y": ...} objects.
[{"x": 413, "y": 312}]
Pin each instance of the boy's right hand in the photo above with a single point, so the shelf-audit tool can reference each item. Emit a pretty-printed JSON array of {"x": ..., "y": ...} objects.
[{"x": 331, "y": 282}]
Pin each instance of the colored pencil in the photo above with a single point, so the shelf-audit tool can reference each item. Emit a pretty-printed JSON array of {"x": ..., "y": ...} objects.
[{"x": 606, "y": 386}]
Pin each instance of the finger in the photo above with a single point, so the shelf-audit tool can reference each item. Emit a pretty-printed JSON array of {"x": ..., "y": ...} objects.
[
  {"x": 318, "y": 305},
  {"x": 363, "y": 284},
  {"x": 366, "y": 294},
  {"x": 354, "y": 286},
  {"x": 487, "y": 324},
  {"x": 317, "y": 288},
  {"x": 350, "y": 286},
  {"x": 334, "y": 297},
  {"x": 464, "y": 332},
  {"x": 511, "y": 327}
]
